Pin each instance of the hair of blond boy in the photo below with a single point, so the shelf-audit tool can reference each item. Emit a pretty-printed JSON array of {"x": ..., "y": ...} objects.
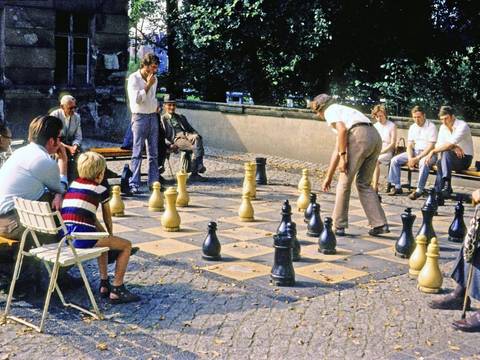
[{"x": 90, "y": 165}]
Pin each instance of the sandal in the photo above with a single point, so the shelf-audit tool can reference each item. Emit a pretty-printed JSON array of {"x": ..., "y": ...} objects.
[
  {"x": 105, "y": 284},
  {"x": 124, "y": 296}
]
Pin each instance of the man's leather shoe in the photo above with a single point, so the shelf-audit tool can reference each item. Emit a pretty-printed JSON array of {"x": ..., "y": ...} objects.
[
  {"x": 201, "y": 169},
  {"x": 470, "y": 324},
  {"x": 379, "y": 230},
  {"x": 450, "y": 301},
  {"x": 197, "y": 177},
  {"x": 164, "y": 181},
  {"x": 340, "y": 232},
  {"x": 414, "y": 195},
  {"x": 394, "y": 191}
]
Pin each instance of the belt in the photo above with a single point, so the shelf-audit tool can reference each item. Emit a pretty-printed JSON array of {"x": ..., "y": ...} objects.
[{"x": 360, "y": 124}]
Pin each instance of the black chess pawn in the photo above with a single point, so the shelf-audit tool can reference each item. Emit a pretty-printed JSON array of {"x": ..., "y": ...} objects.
[
  {"x": 428, "y": 211},
  {"x": 309, "y": 210},
  {"x": 406, "y": 242},
  {"x": 125, "y": 179},
  {"x": 315, "y": 225},
  {"x": 432, "y": 200},
  {"x": 327, "y": 241},
  {"x": 282, "y": 273},
  {"x": 457, "y": 230},
  {"x": 286, "y": 218},
  {"x": 296, "y": 248},
  {"x": 211, "y": 246},
  {"x": 261, "y": 173}
]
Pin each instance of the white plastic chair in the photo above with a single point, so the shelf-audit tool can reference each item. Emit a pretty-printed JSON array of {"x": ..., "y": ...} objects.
[{"x": 37, "y": 217}]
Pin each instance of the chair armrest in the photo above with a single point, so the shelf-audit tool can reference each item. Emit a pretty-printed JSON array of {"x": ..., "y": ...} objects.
[{"x": 89, "y": 235}]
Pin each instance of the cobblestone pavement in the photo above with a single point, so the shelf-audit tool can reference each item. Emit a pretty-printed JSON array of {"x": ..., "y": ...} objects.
[{"x": 188, "y": 313}]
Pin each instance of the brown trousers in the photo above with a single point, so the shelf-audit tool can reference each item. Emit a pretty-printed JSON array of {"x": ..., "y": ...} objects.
[{"x": 364, "y": 146}]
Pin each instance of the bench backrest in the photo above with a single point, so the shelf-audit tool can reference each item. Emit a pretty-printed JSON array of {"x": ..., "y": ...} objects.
[{"x": 38, "y": 216}]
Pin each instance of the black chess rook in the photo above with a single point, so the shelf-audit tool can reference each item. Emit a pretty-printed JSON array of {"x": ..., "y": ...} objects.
[
  {"x": 405, "y": 244},
  {"x": 211, "y": 246},
  {"x": 327, "y": 242},
  {"x": 282, "y": 273},
  {"x": 261, "y": 173}
]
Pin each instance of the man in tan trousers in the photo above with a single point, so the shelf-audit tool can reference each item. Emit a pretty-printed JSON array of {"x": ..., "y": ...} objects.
[{"x": 356, "y": 153}]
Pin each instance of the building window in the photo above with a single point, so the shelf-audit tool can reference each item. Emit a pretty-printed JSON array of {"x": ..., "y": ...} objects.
[{"x": 72, "y": 45}]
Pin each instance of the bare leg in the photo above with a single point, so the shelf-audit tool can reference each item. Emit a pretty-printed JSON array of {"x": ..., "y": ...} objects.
[{"x": 125, "y": 246}]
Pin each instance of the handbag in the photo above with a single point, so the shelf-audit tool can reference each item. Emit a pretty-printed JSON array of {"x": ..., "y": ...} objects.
[
  {"x": 5, "y": 139},
  {"x": 401, "y": 147}
]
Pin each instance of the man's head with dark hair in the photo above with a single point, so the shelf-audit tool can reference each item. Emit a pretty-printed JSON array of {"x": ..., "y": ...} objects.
[
  {"x": 446, "y": 110},
  {"x": 43, "y": 128},
  {"x": 149, "y": 59}
]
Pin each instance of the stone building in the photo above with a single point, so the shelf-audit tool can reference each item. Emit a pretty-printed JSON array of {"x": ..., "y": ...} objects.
[{"x": 52, "y": 47}]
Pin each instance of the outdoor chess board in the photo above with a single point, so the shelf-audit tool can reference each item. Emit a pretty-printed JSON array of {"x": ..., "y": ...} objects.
[{"x": 247, "y": 247}]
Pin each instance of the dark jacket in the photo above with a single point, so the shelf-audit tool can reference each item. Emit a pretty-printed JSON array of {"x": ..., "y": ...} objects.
[{"x": 169, "y": 130}]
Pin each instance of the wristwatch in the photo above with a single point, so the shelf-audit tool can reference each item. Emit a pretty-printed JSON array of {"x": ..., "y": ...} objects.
[{"x": 342, "y": 153}]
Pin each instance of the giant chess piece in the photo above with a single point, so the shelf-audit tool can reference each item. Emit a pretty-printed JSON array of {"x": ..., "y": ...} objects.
[
  {"x": 304, "y": 180},
  {"x": 426, "y": 229},
  {"x": 418, "y": 257},
  {"x": 309, "y": 210},
  {"x": 315, "y": 225},
  {"x": 249, "y": 185},
  {"x": 253, "y": 170},
  {"x": 155, "y": 203},
  {"x": 432, "y": 200},
  {"x": 296, "y": 248},
  {"x": 125, "y": 180},
  {"x": 170, "y": 219},
  {"x": 406, "y": 242},
  {"x": 286, "y": 218},
  {"x": 440, "y": 199},
  {"x": 282, "y": 273},
  {"x": 245, "y": 212},
  {"x": 303, "y": 199},
  {"x": 117, "y": 208},
  {"x": 457, "y": 230},
  {"x": 183, "y": 198},
  {"x": 430, "y": 278},
  {"x": 327, "y": 241},
  {"x": 211, "y": 246},
  {"x": 261, "y": 174}
]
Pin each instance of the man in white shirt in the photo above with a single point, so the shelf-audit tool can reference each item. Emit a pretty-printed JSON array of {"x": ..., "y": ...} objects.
[
  {"x": 454, "y": 145},
  {"x": 421, "y": 140},
  {"x": 142, "y": 88}
]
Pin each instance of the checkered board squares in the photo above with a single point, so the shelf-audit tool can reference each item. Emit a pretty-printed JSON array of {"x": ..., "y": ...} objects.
[
  {"x": 184, "y": 231},
  {"x": 329, "y": 273},
  {"x": 244, "y": 233},
  {"x": 166, "y": 247},
  {"x": 311, "y": 252},
  {"x": 245, "y": 250},
  {"x": 239, "y": 270}
]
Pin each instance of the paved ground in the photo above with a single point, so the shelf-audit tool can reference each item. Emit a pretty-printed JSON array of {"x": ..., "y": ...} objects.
[{"x": 359, "y": 304}]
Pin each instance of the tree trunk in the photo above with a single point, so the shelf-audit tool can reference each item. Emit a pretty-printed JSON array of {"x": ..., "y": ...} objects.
[{"x": 174, "y": 58}]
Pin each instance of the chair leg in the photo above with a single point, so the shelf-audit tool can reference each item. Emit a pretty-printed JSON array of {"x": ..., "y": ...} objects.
[
  {"x": 51, "y": 287},
  {"x": 57, "y": 288},
  {"x": 89, "y": 291},
  {"x": 16, "y": 273}
]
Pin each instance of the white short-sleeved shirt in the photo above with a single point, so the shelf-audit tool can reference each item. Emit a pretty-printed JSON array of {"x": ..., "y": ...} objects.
[
  {"x": 345, "y": 114},
  {"x": 385, "y": 131},
  {"x": 422, "y": 136},
  {"x": 460, "y": 136},
  {"x": 141, "y": 102}
]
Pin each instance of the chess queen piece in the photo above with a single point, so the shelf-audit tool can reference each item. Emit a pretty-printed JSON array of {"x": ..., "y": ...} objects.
[
  {"x": 327, "y": 241},
  {"x": 170, "y": 219},
  {"x": 296, "y": 248},
  {"x": 155, "y": 203},
  {"x": 430, "y": 278},
  {"x": 183, "y": 198},
  {"x": 117, "y": 208},
  {"x": 304, "y": 180},
  {"x": 282, "y": 273},
  {"x": 286, "y": 218},
  {"x": 261, "y": 174},
  {"x": 125, "y": 180},
  {"x": 426, "y": 229},
  {"x": 211, "y": 246},
  {"x": 418, "y": 257},
  {"x": 406, "y": 242},
  {"x": 249, "y": 185},
  {"x": 309, "y": 210},
  {"x": 457, "y": 230},
  {"x": 245, "y": 212},
  {"x": 315, "y": 225}
]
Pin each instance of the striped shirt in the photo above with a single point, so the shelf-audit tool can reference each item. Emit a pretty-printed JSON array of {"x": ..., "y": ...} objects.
[{"x": 80, "y": 204}]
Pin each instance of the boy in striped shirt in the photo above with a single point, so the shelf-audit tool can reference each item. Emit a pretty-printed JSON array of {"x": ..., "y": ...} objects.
[{"x": 79, "y": 210}]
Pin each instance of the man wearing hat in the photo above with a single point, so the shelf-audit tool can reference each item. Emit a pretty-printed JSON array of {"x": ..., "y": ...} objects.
[{"x": 180, "y": 135}]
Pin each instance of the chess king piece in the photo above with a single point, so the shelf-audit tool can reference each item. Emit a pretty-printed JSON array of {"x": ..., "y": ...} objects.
[
  {"x": 245, "y": 212},
  {"x": 430, "y": 278},
  {"x": 296, "y": 248},
  {"x": 170, "y": 219},
  {"x": 418, "y": 257},
  {"x": 282, "y": 273},
  {"x": 249, "y": 185},
  {"x": 406, "y": 242},
  {"x": 304, "y": 180},
  {"x": 155, "y": 203},
  {"x": 286, "y": 218},
  {"x": 327, "y": 241},
  {"x": 315, "y": 225},
  {"x": 117, "y": 208},
  {"x": 261, "y": 173},
  {"x": 309, "y": 210},
  {"x": 432, "y": 200},
  {"x": 125, "y": 179},
  {"x": 182, "y": 198},
  {"x": 457, "y": 230},
  {"x": 211, "y": 246},
  {"x": 303, "y": 199},
  {"x": 427, "y": 228}
]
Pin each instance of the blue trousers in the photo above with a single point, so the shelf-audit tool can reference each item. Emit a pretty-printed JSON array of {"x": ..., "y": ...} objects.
[
  {"x": 460, "y": 273},
  {"x": 448, "y": 162},
  {"x": 398, "y": 161},
  {"x": 144, "y": 128}
]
